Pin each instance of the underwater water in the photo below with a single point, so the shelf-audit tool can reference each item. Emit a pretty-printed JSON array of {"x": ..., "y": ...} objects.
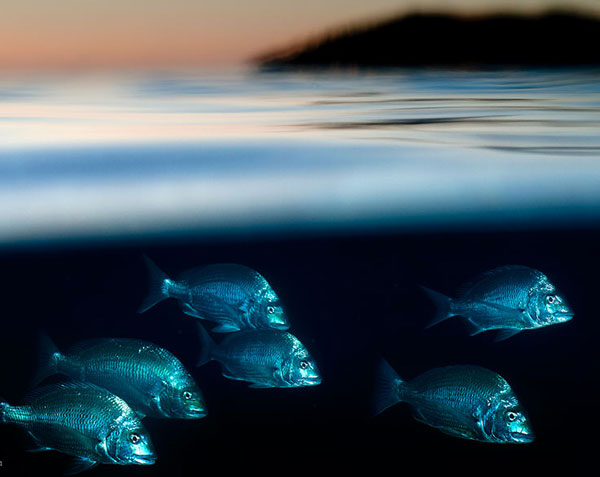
[{"x": 347, "y": 192}]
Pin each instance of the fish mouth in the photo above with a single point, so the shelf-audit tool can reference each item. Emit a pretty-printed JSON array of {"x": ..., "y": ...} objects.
[
  {"x": 146, "y": 459},
  {"x": 311, "y": 381},
  {"x": 562, "y": 317},
  {"x": 522, "y": 437},
  {"x": 196, "y": 413},
  {"x": 279, "y": 325}
]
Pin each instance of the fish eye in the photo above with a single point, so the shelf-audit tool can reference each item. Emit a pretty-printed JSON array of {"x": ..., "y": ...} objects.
[
  {"x": 511, "y": 415},
  {"x": 134, "y": 438},
  {"x": 550, "y": 299},
  {"x": 303, "y": 364},
  {"x": 187, "y": 395},
  {"x": 270, "y": 310}
]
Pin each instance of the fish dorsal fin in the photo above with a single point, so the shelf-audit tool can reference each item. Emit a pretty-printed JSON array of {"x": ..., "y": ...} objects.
[
  {"x": 216, "y": 272},
  {"x": 85, "y": 345},
  {"x": 488, "y": 274}
]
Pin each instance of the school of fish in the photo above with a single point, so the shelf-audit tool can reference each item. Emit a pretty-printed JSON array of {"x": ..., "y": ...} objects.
[{"x": 112, "y": 384}]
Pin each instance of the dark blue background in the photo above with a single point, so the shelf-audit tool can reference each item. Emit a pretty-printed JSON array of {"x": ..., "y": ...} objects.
[{"x": 349, "y": 298}]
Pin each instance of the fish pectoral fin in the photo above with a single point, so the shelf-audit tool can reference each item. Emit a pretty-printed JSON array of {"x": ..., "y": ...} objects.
[
  {"x": 502, "y": 308},
  {"x": 36, "y": 445},
  {"x": 506, "y": 333},
  {"x": 225, "y": 328},
  {"x": 491, "y": 316},
  {"x": 223, "y": 309},
  {"x": 228, "y": 375},
  {"x": 80, "y": 464},
  {"x": 417, "y": 416},
  {"x": 462, "y": 433},
  {"x": 39, "y": 449},
  {"x": 472, "y": 328},
  {"x": 188, "y": 310},
  {"x": 259, "y": 386},
  {"x": 450, "y": 431}
]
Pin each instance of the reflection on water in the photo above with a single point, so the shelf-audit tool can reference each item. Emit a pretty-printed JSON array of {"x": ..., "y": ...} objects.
[{"x": 131, "y": 154}]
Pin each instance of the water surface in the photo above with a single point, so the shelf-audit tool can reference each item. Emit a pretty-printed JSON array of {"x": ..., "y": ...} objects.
[
  {"x": 347, "y": 191},
  {"x": 127, "y": 155}
]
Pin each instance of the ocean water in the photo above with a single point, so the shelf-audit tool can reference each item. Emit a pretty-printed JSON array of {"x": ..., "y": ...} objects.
[{"x": 347, "y": 191}]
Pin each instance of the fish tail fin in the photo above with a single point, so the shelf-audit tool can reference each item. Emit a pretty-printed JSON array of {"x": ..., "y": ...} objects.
[
  {"x": 14, "y": 414},
  {"x": 443, "y": 306},
  {"x": 387, "y": 387},
  {"x": 48, "y": 358},
  {"x": 4, "y": 406},
  {"x": 11, "y": 414},
  {"x": 156, "y": 285},
  {"x": 207, "y": 344}
]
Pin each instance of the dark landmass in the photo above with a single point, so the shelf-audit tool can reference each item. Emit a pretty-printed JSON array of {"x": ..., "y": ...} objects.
[{"x": 551, "y": 39}]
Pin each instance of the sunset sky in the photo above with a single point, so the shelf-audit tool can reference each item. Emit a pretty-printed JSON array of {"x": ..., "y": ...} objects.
[{"x": 131, "y": 33}]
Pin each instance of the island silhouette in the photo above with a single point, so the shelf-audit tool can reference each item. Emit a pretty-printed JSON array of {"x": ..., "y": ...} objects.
[{"x": 549, "y": 39}]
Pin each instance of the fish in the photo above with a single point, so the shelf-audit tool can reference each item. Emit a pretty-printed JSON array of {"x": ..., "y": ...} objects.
[
  {"x": 233, "y": 296},
  {"x": 509, "y": 299},
  {"x": 465, "y": 401},
  {"x": 265, "y": 358},
  {"x": 149, "y": 378},
  {"x": 85, "y": 421}
]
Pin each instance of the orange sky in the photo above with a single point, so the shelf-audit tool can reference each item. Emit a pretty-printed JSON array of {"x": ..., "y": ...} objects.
[{"x": 73, "y": 33}]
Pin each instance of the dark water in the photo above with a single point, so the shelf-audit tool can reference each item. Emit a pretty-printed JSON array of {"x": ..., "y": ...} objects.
[
  {"x": 347, "y": 192},
  {"x": 349, "y": 298}
]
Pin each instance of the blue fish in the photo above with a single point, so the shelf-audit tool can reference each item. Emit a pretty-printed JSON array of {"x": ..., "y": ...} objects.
[
  {"x": 85, "y": 421},
  {"x": 466, "y": 401},
  {"x": 265, "y": 358},
  {"x": 510, "y": 299},
  {"x": 150, "y": 378},
  {"x": 234, "y": 296}
]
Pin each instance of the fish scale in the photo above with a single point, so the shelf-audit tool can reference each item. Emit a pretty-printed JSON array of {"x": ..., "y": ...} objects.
[
  {"x": 464, "y": 387},
  {"x": 123, "y": 358},
  {"x": 148, "y": 377},
  {"x": 263, "y": 357},
  {"x": 510, "y": 299},
  {"x": 74, "y": 418},
  {"x": 234, "y": 296},
  {"x": 464, "y": 401},
  {"x": 217, "y": 290},
  {"x": 263, "y": 351}
]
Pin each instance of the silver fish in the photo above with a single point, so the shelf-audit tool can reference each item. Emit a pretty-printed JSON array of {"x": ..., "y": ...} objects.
[
  {"x": 150, "y": 378},
  {"x": 265, "y": 358},
  {"x": 233, "y": 296},
  {"x": 511, "y": 298},
  {"x": 470, "y": 402},
  {"x": 84, "y": 421}
]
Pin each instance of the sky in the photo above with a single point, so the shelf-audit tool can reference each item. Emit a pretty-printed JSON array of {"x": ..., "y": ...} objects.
[{"x": 137, "y": 33}]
